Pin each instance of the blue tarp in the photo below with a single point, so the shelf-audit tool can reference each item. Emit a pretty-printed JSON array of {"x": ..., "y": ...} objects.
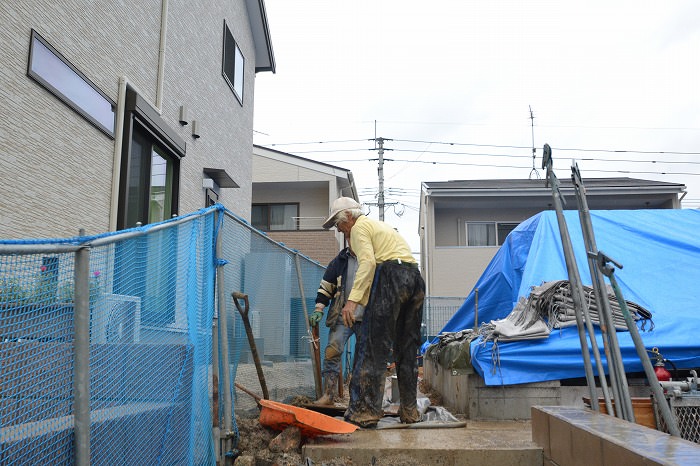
[{"x": 660, "y": 254}]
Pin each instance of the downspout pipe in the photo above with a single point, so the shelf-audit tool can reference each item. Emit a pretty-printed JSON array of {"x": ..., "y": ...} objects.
[
  {"x": 161, "y": 54},
  {"x": 117, "y": 158},
  {"x": 119, "y": 126}
]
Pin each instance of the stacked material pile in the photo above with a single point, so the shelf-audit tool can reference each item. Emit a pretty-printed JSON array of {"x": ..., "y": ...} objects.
[
  {"x": 549, "y": 306},
  {"x": 523, "y": 323},
  {"x": 553, "y": 302}
]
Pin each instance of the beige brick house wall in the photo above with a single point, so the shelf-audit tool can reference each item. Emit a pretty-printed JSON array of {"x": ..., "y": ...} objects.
[
  {"x": 320, "y": 246},
  {"x": 56, "y": 168}
]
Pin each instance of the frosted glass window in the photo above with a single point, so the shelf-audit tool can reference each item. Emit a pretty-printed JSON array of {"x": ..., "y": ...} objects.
[
  {"x": 51, "y": 70},
  {"x": 481, "y": 234}
]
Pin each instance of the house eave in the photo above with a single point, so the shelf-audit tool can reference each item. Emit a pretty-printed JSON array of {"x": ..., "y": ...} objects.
[{"x": 264, "y": 55}]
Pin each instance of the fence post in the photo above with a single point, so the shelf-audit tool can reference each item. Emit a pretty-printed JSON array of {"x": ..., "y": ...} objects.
[
  {"x": 223, "y": 340},
  {"x": 81, "y": 356},
  {"x": 216, "y": 430},
  {"x": 316, "y": 362}
]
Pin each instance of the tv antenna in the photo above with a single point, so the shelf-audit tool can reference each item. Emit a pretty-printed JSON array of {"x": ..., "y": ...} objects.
[{"x": 532, "y": 129}]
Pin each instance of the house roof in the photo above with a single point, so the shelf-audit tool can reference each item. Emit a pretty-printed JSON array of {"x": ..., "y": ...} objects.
[
  {"x": 519, "y": 185},
  {"x": 607, "y": 193},
  {"x": 297, "y": 160},
  {"x": 257, "y": 16},
  {"x": 343, "y": 174}
]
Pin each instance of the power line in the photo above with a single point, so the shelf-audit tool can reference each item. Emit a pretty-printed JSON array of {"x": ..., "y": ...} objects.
[
  {"x": 315, "y": 142},
  {"x": 499, "y": 146},
  {"x": 515, "y": 156},
  {"x": 521, "y": 167},
  {"x": 527, "y": 156}
]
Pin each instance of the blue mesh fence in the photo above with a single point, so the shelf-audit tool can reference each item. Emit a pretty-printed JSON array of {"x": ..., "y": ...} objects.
[
  {"x": 281, "y": 286},
  {"x": 152, "y": 302}
]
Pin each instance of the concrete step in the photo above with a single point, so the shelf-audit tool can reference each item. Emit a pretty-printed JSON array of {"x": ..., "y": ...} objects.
[{"x": 496, "y": 443}]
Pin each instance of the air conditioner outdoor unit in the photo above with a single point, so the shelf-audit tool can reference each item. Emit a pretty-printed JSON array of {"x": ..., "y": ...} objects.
[{"x": 117, "y": 319}]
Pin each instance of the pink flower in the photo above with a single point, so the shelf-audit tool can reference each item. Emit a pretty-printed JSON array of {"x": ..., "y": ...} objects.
[
  {"x": 43, "y": 268},
  {"x": 96, "y": 273}
]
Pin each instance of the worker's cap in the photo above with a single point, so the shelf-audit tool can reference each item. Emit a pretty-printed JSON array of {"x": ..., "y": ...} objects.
[{"x": 339, "y": 205}]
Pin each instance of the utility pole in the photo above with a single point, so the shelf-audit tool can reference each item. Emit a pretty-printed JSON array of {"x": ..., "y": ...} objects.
[{"x": 380, "y": 173}]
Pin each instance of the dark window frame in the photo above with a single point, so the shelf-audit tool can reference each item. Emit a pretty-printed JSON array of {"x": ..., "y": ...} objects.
[
  {"x": 270, "y": 204},
  {"x": 231, "y": 51},
  {"x": 35, "y": 75},
  {"x": 143, "y": 122}
]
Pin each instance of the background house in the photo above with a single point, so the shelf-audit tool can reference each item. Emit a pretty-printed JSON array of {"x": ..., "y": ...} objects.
[
  {"x": 120, "y": 113},
  {"x": 463, "y": 223},
  {"x": 292, "y": 197}
]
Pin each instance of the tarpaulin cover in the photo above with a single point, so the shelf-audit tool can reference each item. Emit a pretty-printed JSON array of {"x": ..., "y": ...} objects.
[{"x": 659, "y": 251}]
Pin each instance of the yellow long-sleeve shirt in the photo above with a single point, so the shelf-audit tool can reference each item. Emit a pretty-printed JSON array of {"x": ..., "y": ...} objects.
[{"x": 374, "y": 242}]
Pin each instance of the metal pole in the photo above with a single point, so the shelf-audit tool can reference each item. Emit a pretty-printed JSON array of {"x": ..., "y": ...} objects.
[
  {"x": 476, "y": 309},
  {"x": 380, "y": 173},
  {"x": 223, "y": 342},
  {"x": 656, "y": 388},
  {"x": 216, "y": 429},
  {"x": 313, "y": 344},
  {"x": 623, "y": 409},
  {"x": 81, "y": 356},
  {"x": 572, "y": 268}
]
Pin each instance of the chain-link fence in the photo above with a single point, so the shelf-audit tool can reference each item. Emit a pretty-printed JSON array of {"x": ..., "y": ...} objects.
[
  {"x": 437, "y": 310},
  {"x": 107, "y": 342},
  {"x": 685, "y": 409},
  {"x": 112, "y": 348},
  {"x": 281, "y": 286}
]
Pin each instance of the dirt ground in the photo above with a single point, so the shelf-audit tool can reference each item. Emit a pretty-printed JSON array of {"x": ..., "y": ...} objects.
[{"x": 254, "y": 438}]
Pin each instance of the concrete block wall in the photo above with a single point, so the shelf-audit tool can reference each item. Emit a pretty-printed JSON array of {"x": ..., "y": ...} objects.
[
  {"x": 466, "y": 393},
  {"x": 581, "y": 437}
]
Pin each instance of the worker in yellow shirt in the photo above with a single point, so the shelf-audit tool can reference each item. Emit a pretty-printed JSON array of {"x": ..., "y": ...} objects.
[{"x": 392, "y": 316}]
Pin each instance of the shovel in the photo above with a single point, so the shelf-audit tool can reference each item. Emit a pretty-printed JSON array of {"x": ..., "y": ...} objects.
[{"x": 251, "y": 340}]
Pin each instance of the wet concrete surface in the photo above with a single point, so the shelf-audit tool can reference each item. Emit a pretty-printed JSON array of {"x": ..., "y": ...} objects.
[{"x": 478, "y": 442}]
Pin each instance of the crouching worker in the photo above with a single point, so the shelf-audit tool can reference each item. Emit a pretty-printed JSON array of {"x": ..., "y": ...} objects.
[
  {"x": 334, "y": 289},
  {"x": 392, "y": 317}
]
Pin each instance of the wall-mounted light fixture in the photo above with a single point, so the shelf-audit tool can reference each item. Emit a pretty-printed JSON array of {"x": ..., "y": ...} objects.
[
  {"x": 195, "y": 129},
  {"x": 183, "y": 115}
]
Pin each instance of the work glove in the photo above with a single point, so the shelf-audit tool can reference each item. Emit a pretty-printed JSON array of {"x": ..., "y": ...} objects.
[{"x": 315, "y": 318}]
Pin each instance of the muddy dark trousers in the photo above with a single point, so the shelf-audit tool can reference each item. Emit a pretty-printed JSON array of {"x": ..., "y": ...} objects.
[{"x": 392, "y": 319}]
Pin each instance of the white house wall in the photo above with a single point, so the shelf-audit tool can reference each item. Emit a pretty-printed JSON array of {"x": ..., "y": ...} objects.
[
  {"x": 276, "y": 181},
  {"x": 454, "y": 270},
  {"x": 449, "y": 223},
  {"x": 311, "y": 197},
  {"x": 267, "y": 170},
  {"x": 56, "y": 167}
]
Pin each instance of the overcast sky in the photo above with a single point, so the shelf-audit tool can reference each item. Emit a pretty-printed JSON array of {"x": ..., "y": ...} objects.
[{"x": 451, "y": 83}]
